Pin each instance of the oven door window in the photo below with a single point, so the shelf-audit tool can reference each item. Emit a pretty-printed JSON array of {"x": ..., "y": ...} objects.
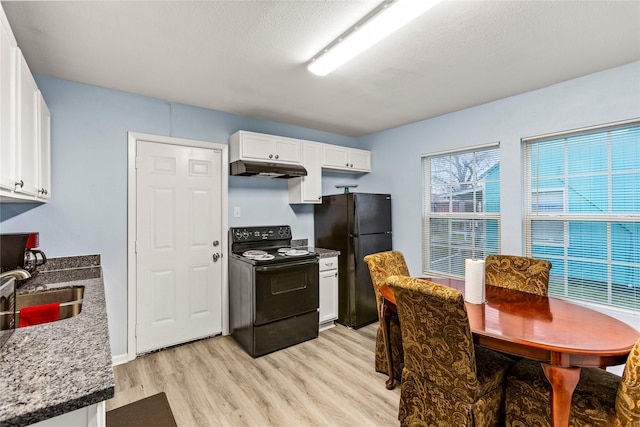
[{"x": 285, "y": 290}]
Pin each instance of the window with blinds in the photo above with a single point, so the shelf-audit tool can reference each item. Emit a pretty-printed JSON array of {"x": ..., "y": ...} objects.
[
  {"x": 582, "y": 212},
  {"x": 461, "y": 212}
]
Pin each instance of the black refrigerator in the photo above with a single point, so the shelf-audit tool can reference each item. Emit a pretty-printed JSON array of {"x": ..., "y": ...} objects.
[{"x": 356, "y": 224}]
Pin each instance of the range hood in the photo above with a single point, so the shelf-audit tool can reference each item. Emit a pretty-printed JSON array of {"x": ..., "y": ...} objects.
[{"x": 266, "y": 169}]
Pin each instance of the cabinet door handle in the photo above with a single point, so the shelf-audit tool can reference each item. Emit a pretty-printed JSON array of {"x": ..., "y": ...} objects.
[
  {"x": 351, "y": 165},
  {"x": 277, "y": 156},
  {"x": 271, "y": 156},
  {"x": 20, "y": 183}
]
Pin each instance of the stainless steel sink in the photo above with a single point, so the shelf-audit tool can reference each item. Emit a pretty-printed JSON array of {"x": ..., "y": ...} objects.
[{"x": 70, "y": 300}]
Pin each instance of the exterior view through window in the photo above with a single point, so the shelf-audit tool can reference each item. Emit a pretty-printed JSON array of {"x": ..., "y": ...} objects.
[
  {"x": 461, "y": 212},
  {"x": 582, "y": 212}
]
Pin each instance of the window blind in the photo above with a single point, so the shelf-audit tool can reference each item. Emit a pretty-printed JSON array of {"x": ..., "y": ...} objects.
[
  {"x": 461, "y": 209},
  {"x": 582, "y": 212}
]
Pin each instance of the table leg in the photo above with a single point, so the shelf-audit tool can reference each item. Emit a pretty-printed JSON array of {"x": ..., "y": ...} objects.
[
  {"x": 385, "y": 324},
  {"x": 563, "y": 381}
]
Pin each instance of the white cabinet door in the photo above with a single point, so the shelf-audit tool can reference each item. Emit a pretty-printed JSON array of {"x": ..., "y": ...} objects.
[
  {"x": 27, "y": 159},
  {"x": 44, "y": 149},
  {"x": 256, "y": 146},
  {"x": 308, "y": 189},
  {"x": 344, "y": 159},
  {"x": 360, "y": 160},
  {"x": 262, "y": 147},
  {"x": 8, "y": 70},
  {"x": 287, "y": 150},
  {"x": 335, "y": 157},
  {"x": 328, "y": 284}
]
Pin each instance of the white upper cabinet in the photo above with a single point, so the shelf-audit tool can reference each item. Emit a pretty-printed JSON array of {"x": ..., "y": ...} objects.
[
  {"x": 308, "y": 189},
  {"x": 28, "y": 129},
  {"x": 313, "y": 156},
  {"x": 345, "y": 159},
  {"x": 261, "y": 147},
  {"x": 44, "y": 145},
  {"x": 8, "y": 69},
  {"x": 25, "y": 127}
]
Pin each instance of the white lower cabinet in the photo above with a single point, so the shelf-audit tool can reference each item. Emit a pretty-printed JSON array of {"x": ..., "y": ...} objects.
[
  {"x": 89, "y": 416},
  {"x": 328, "y": 292}
]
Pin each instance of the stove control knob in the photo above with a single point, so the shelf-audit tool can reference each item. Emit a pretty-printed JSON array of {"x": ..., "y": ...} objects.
[
  {"x": 238, "y": 234},
  {"x": 284, "y": 231},
  {"x": 245, "y": 234}
]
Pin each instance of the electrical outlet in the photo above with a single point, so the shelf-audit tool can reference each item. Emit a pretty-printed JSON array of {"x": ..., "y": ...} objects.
[{"x": 236, "y": 211}]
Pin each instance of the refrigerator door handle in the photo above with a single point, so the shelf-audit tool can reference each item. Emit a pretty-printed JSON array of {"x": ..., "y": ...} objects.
[{"x": 355, "y": 255}]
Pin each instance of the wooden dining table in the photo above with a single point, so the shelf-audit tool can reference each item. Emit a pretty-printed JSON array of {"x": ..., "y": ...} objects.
[{"x": 563, "y": 336}]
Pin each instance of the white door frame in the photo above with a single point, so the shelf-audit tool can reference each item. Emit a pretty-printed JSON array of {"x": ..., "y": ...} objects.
[{"x": 132, "y": 231}]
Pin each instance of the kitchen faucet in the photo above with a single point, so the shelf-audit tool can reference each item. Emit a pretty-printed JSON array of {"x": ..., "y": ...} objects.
[{"x": 18, "y": 274}]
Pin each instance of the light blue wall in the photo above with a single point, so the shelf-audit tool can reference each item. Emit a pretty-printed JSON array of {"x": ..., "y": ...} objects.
[
  {"x": 88, "y": 210},
  {"x": 605, "y": 97},
  {"x": 87, "y": 213}
]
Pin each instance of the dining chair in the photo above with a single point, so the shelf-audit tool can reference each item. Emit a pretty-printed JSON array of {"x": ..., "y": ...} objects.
[
  {"x": 600, "y": 398},
  {"x": 446, "y": 380},
  {"x": 519, "y": 273},
  {"x": 382, "y": 265}
]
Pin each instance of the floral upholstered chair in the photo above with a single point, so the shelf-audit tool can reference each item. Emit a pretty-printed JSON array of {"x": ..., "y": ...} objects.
[
  {"x": 446, "y": 380},
  {"x": 601, "y": 398},
  {"x": 519, "y": 273},
  {"x": 381, "y": 266}
]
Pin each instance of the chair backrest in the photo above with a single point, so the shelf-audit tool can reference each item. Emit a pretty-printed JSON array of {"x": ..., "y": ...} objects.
[
  {"x": 628, "y": 397},
  {"x": 437, "y": 340},
  {"x": 520, "y": 273},
  {"x": 385, "y": 264}
]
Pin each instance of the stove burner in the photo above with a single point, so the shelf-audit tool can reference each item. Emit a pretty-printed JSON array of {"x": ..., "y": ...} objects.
[
  {"x": 265, "y": 257},
  {"x": 253, "y": 254},
  {"x": 295, "y": 252}
]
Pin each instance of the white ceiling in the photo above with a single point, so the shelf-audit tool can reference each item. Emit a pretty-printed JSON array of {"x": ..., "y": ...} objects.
[{"x": 248, "y": 57}]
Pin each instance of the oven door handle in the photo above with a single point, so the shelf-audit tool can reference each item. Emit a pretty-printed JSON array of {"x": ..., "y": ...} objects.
[{"x": 285, "y": 265}]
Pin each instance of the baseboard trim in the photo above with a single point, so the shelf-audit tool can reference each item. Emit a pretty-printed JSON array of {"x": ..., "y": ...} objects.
[{"x": 120, "y": 359}]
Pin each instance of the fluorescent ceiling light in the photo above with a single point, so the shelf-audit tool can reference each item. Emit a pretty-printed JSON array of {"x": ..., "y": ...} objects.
[{"x": 382, "y": 21}]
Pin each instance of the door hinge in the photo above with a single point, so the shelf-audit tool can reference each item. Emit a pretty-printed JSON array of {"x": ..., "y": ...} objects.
[
  {"x": 136, "y": 246},
  {"x": 136, "y": 162}
]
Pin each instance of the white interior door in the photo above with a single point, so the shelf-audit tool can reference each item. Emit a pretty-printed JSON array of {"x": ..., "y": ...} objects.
[{"x": 178, "y": 241}]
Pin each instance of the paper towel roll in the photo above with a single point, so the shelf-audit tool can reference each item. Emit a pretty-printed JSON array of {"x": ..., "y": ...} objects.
[{"x": 474, "y": 290}]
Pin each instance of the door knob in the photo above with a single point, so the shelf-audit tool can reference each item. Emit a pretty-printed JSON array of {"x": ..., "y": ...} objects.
[
  {"x": 216, "y": 243},
  {"x": 216, "y": 257}
]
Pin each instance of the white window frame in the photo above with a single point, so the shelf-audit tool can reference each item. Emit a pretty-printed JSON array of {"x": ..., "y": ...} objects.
[
  {"x": 427, "y": 215},
  {"x": 566, "y": 218}
]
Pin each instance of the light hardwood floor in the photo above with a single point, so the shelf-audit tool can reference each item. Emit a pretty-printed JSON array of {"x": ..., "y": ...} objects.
[{"x": 329, "y": 381}]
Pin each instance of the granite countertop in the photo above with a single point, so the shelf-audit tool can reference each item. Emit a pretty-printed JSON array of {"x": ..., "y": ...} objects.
[
  {"x": 58, "y": 367},
  {"x": 324, "y": 253}
]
